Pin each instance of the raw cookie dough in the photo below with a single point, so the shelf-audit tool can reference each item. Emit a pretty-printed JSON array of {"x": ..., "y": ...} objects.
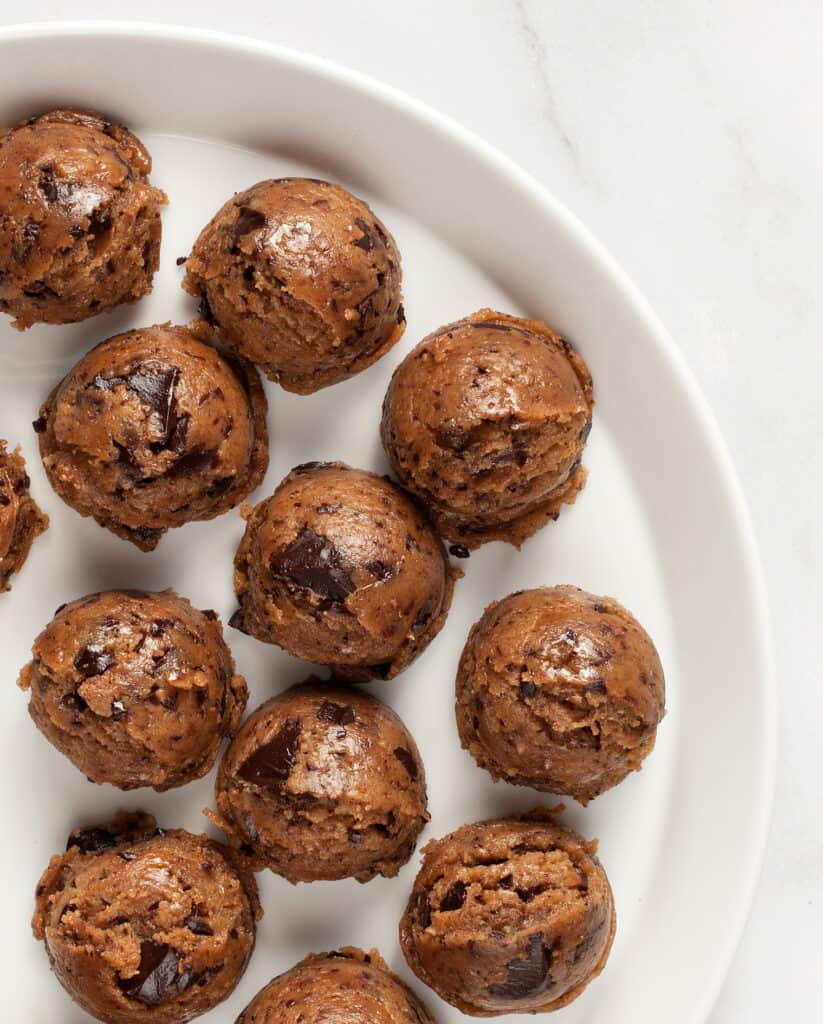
[
  {"x": 136, "y": 689},
  {"x": 152, "y": 429},
  {"x": 559, "y": 690},
  {"x": 346, "y": 986},
  {"x": 142, "y": 924},
  {"x": 21, "y": 521},
  {"x": 301, "y": 278},
  {"x": 341, "y": 568},
  {"x": 486, "y": 421},
  {"x": 79, "y": 221},
  {"x": 323, "y": 782},
  {"x": 509, "y": 916}
]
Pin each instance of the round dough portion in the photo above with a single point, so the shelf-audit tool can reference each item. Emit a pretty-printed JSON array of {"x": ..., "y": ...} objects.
[
  {"x": 341, "y": 568},
  {"x": 302, "y": 278},
  {"x": 153, "y": 429},
  {"x": 486, "y": 421},
  {"x": 21, "y": 521},
  {"x": 323, "y": 782},
  {"x": 142, "y": 924},
  {"x": 136, "y": 689},
  {"x": 560, "y": 690},
  {"x": 79, "y": 220},
  {"x": 509, "y": 916},
  {"x": 346, "y": 986}
]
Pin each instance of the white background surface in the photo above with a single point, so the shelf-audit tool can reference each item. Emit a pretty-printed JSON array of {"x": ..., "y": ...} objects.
[{"x": 686, "y": 137}]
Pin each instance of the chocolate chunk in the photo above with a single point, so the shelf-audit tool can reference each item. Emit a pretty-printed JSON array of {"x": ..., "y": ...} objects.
[
  {"x": 455, "y": 896},
  {"x": 380, "y": 570},
  {"x": 236, "y": 620},
  {"x": 74, "y": 702},
  {"x": 365, "y": 242},
  {"x": 91, "y": 840},
  {"x": 340, "y": 714},
  {"x": 401, "y": 314},
  {"x": 204, "y": 310},
  {"x": 529, "y": 977},
  {"x": 248, "y": 220},
  {"x": 175, "y": 438},
  {"x": 312, "y": 562},
  {"x": 598, "y": 687},
  {"x": 118, "y": 709},
  {"x": 194, "y": 461},
  {"x": 157, "y": 979},
  {"x": 408, "y": 762},
  {"x": 527, "y": 894},
  {"x": 271, "y": 764},
  {"x": 459, "y": 551},
  {"x": 526, "y": 689},
  {"x": 422, "y": 910},
  {"x": 40, "y": 425},
  {"x": 180, "y": 260},
  {"x": 93, "y": 660},
  {"x": 210, "y": 614},
  {"x": 355, "y": 837},
  {"x": 198, "y": 926}
]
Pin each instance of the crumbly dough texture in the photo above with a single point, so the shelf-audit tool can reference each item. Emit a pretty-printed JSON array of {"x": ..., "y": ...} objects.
[
  {"x": 323, "y": 782},
  {"x": 79, "y": 220},
  {"x": 346, "y": 986},
  {"x": 560, "y": 690},
  {"x": 21, "y": 521},
  {"x": 146, "y": 925},
  {"x": 509, "y": 916},
  {"x": 486, "y": 421},
  {"x": 302, "y": 278},
  {"x": 136, "y": 689},
  {"x": 340, "y": 567},
  {"x": 153, "y": 429}
]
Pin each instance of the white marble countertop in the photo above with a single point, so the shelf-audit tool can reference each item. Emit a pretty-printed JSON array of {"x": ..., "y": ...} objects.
[{"x": 686, "y": 136}]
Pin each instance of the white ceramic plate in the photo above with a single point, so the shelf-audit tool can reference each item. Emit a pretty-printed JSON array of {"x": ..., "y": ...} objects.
[{"x": 661, "y": 524}]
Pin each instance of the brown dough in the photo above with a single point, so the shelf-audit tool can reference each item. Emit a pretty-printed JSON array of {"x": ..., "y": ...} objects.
[
  {"x": 79, "y": 221},
  {"x": 486, "y": 421},
  {"x": 346, "y": 986},
  {"x": 136, "y": 689},
  {"x": 323, "y": 782},
  {"x": 301, "y": 278},
  {"x": 559, "y": 690},
  {"x": 341, "y": 568},
  {"x": 21, "y": 521},
  {"x": 509, "y": 916},
  {"x": 153, "y": 429},
  {"x": 142, "y": 924}
]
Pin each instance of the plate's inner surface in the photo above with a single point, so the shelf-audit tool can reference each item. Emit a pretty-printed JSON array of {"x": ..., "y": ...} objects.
[{"x": 604, "y": 543}]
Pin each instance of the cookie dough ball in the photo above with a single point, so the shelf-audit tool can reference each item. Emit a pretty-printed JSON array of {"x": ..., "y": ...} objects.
[
  {"x": 153, "y": 429},
  {"x": 142, "y": 924},
  {"x": 79, "y": 221},
  {"x": 559, "y": 690},
  {"x": 323, "y": 782},
  {"x": 302, "y": 278},
  {"x": 341, "y": 568},
  {"x": 21, "y": 521},
  {"x": 509, "y": 916},
  {"x": 346, "y": 985},
  {"x": 486, "y": 421},
  {"x": 136, "y": 689}
]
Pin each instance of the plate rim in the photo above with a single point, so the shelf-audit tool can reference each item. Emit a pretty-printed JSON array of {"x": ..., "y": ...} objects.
[{"x": 409, "y": 106}]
